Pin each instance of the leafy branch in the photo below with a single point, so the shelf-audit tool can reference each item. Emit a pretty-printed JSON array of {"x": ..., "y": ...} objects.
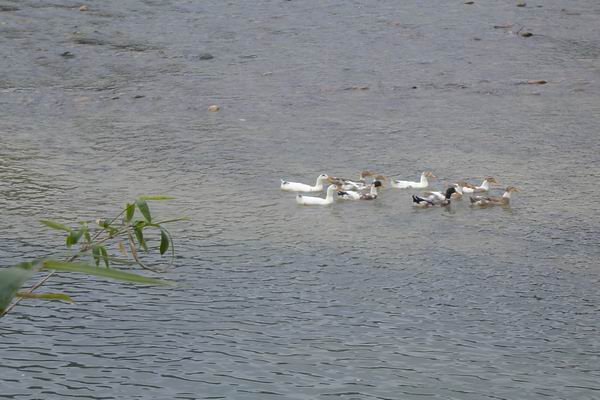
[{"x": 93, "y": 240}]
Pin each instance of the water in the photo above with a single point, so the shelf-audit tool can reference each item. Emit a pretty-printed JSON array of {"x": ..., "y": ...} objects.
[{"x": 352, "y": 301}]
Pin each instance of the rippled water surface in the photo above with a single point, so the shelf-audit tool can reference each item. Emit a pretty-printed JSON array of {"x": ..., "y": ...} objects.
[{"x": 352, "y": 301}]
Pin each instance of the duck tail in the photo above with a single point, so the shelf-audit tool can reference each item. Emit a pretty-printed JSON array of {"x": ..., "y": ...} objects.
[{"x": 472, "y": 200}]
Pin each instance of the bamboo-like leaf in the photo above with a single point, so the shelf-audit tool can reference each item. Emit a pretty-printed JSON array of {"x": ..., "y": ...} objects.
[
  {"x": 157, "y": 198},
  {"x": 96, "y": 254},
  {"x": 55, "y": 225},
  {"x": 122, "y": 249},
  {"x": 143, "y": 207},
  {"x": 11, "y": 280},
  {"x": 46, "y": 296},
  {"x": 164, "y": 241},
  {"x": 102, "y": 272},
  {"x": 86, "y": 235},
  {"x": 129, "y": 211},
  {"x": 167, "y": 221},
  {"x": 104, "y": 255},
  {"x": 140, "y": 236},
  {"x": 73, "y": 237}
]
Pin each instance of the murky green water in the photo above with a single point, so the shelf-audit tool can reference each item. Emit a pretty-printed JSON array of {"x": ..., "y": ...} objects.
[{"x": 352, "y": 301}]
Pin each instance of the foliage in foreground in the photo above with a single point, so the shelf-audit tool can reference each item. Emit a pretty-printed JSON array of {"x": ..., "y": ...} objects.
[{"x": 92, "y": 240}]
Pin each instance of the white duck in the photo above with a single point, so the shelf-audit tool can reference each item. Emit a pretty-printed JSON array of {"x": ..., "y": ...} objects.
[
  {"x": 351, "y": 195},
  {"x": 414, "y": 185},
  {"x": 303, "y": 187},
  {"x": 484, "y": 187},
  {"x": 484, "y": 201},
  {"x": 317, "y": 201}
]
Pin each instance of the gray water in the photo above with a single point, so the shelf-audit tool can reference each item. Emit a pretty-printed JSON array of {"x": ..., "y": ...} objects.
[{"x": 352, "y": 301}]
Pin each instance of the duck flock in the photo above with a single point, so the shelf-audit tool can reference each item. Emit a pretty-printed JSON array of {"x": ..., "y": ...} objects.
[{"x": 367, "y": 188}]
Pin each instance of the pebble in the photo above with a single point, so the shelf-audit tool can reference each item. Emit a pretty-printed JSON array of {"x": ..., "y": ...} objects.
[
  {"x": 214, "y": 108},
  {"x": 521, "y": 4},
  {"x": 537, "y": 82},
  {"x": 526, "y": 34},
  {"x": 469, "y": 2},
  {"x": 205, "y": 56},
  {"x": 83, "y": 8},
  {"x": 67, "y": 54}
]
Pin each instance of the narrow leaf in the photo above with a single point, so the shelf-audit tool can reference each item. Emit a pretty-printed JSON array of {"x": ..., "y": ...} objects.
[
  {"x": 102, "y": 272},
  {"x": 73, "y": 237},
  {"x": 122, "y": 249},
  {"x": 11, "y": 280},
  {"x": 164, "y": 241},
  {"x": 143, "y": 207},
  {"x": 157, "y": 198},
  {"x": 96, "y": 254},
  {"x": 104, "y": 255},
  {"x": 55, "y": 225},
  {"x": 140, "y": 236},
  {"x": 46, "y": 296},
  {"x": 173, "y": 220},
  {"x": 129, "y": 211}
]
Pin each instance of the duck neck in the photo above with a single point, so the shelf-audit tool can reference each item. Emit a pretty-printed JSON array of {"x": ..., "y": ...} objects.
[
  {"x": 329, "y": 197},
  {"x": 506, "y": 198},
  {"x": 424, "y": 180},
  {"x": 374, "y": 190},
  {"x": 319, "y": 184},
  {"x": 485, "y": 185}
]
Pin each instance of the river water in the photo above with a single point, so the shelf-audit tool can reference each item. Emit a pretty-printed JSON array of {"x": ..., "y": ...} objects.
[{"x": 351, "y": 301}]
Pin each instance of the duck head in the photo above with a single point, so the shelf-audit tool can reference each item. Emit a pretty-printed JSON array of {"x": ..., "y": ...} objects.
[{"x": 449, "y": 192}]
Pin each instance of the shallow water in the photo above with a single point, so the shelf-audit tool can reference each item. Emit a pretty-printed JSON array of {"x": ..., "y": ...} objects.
[{"x": 351, "y": 301}]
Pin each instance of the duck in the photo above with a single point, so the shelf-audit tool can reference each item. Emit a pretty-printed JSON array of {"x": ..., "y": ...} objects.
[
  {"x": 317, "y": 201},
  {"x": 414, "y": 185},
  {"x": 303, "y": 187},
  {"x": 352, "y": 195},
  {"x": 431, "y": 201},
  {"x": 358, "y": 185},
  {"x": 484, "y": 201},
  {"x": 484, "y": 187},
  {"x": 432, "y": 195}
]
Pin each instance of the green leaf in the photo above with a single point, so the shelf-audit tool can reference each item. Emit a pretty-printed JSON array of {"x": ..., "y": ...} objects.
[
  {"x": 129, "y": 211},
  {"x": 102, "y": 272},
  {"x": 11, "y": 280},
  {"x": 167, "y": 221},
  {"x": 96, "y": 254},
  {"x": 46, "y": 296},
  {"x": 164, "y": 241},
  {"x": 138, "y": 230},
  {"x": 143, "y": 207},
  {"x": 73, "y": 237},
  {"x": 104, "y": 255},
  {"x": 55, "y": 225},
  {"x": 157, "y": 198}
]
